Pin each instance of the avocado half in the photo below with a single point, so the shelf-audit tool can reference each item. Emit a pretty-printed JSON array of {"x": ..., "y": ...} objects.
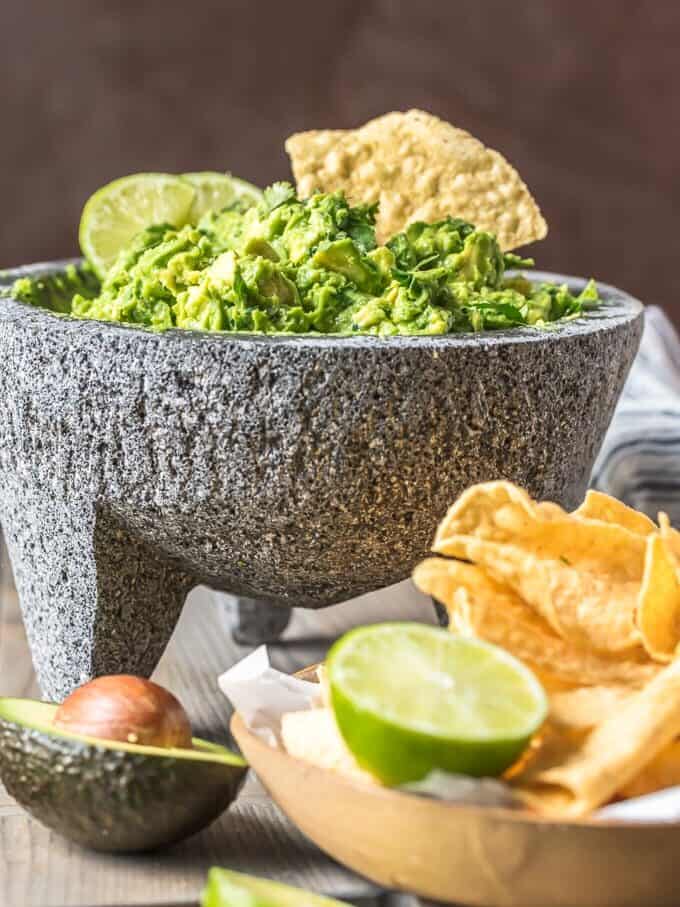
[{"x": 107, "y": 795}]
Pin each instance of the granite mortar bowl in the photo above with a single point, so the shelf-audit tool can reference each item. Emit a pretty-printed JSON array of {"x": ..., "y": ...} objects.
[{"x": 293, "y": 470}]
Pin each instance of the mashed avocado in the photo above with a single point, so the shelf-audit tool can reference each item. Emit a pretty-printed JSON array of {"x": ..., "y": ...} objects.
[{"x": 296, "y": 266}]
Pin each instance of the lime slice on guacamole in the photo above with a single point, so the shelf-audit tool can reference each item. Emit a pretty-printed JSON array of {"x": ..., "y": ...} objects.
[
  {"x": 121, "y": 209},
  {"x": 227, "y": 888},
  {"x": 409, "y": 699},
  {"x": 215, "y": 191}
]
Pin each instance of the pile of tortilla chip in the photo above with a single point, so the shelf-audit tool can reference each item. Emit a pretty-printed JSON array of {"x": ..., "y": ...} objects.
[
  {"x": 418, "y": 168},
  {"x": 590, "y": 600}
]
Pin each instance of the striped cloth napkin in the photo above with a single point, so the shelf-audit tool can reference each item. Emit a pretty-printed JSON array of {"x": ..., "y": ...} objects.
[{"x": 640, "y": 458}]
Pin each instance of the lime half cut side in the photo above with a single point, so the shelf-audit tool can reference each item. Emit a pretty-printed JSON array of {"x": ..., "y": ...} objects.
[
  {"x": 214, "y": 191},
  {"x": 121, "y": 209},
  {"x": 409, "y": 698}
]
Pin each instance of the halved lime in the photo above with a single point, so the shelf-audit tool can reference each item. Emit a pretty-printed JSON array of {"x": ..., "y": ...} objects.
[
  {"x": 409, "y": 698},
  {"x": 119, "y": 210},
  {"x": 215, "y": 191},
  {"x": 227, "y": 888}
]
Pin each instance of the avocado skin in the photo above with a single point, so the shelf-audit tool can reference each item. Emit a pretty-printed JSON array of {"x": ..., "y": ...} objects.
[{"x": 108, "y": 799}]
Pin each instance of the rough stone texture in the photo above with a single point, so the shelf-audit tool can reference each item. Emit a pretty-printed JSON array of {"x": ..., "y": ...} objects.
[{"x": 298, "y": 471}]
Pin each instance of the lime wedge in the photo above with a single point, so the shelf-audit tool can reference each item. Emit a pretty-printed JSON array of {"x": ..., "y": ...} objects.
[
  {"x": 409, "y": 698},
  {"x": 226, "y": 888},
  {"x": 119, "y": 210},
  {"x": 215, "y": 191}
]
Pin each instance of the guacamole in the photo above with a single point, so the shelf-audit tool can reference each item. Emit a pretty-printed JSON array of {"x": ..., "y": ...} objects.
[{"x": 297, "y": 266}]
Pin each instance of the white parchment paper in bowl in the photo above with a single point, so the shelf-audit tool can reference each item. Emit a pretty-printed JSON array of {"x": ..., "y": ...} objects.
[
  {"x": 261, "y": 694},
  {"x": 661, "y": 806}
]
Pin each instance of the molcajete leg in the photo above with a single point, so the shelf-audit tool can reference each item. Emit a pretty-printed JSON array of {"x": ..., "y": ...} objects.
[
  {"x": 259, "y": 622},
  {"x": 94, "y": 599}
]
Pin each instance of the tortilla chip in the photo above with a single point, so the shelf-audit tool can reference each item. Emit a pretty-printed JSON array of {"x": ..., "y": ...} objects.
[
  {"x": 500, "y": 512},
  {"x": 478, "y": 603},
  {"x": 670, "y": 536},
  {"x": 658, "y": 612},
  {"x": 495, "y": 511},
  {"x": 418, "y": 168},
  {"x": 591, "y": 602},
  {"x": 582, "y": 602},
  {"x": 584, "y": 707},
  {"x": 313, "y": 735},
  {"x": 581, "y": 575},
  {"x": 322, "y": 677},
  {"x": 570, "y": 778},
  {"x": 663, "y": 771},
  {"x": 599, "y": 506}
]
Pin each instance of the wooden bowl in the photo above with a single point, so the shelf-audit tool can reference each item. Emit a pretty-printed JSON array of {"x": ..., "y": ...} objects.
[{"x": 469, "y": 854}]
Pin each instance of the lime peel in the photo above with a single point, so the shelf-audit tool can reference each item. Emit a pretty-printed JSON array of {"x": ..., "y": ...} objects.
[
  {"x": 121, "y": 209},
  {"x": 227, "y": 888},
  {"x": 214, "y": 191}
]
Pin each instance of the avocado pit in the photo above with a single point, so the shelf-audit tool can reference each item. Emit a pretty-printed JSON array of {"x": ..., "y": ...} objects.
[{"x": 127, "y": 709}]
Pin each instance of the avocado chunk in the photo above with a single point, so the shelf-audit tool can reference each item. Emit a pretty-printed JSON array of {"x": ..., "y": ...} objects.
[
  {"x": 297, "y": 266},
  {"x": 108, "y": 795},
  {"x": 226, "y": 888}
]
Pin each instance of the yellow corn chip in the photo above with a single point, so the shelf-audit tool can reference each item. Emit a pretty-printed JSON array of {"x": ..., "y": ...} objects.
[
  {"x": 581, "y": 601},
  {"x": 313, "y": 735},
  {"x": 658, "y": 612},
  {"x": 591, "y": 602},
  {"x": 496, "y": 512},
  {"x": 663, "y": 771},
  {"x": 418, "y": 168},
  {"x": 581, "y": 575},
  {"x": 599, "y": 506},
  {"x": 494, "y": 612},
  {"x": 570, "y": 778},
  {"x": 671, "y": 536},
  {"x": 322, "y": 677},
  {"x": 587, "y": 706},
  {"x": 500, "y": 512}
]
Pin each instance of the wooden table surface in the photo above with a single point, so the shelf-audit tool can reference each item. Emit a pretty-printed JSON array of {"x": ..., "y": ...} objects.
[{"x": 41, "y": 869}]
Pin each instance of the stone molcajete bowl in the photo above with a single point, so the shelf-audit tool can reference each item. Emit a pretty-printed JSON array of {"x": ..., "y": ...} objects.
[{"x": 292, "y": 470}]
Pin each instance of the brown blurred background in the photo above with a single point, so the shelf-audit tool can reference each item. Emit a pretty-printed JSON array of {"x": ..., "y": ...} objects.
[{"x": 582, "y": 97}]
